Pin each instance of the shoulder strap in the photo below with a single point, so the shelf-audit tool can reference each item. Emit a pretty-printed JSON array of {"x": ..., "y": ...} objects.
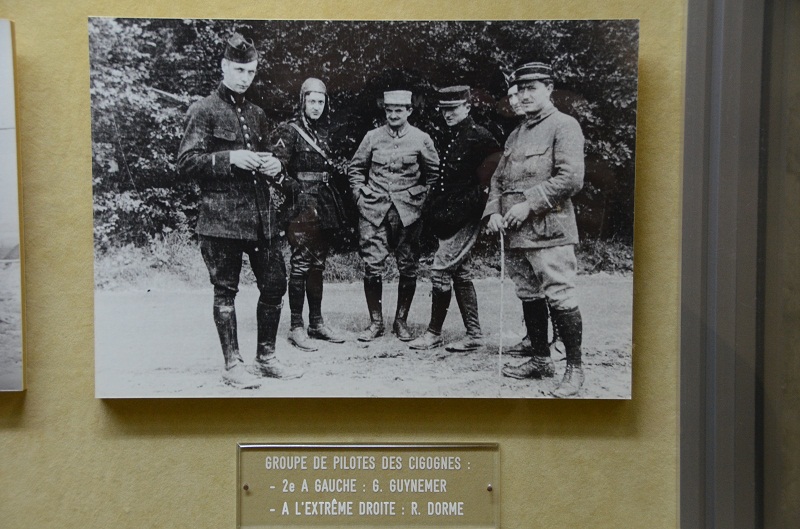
[{"x": 310, "y": 141}]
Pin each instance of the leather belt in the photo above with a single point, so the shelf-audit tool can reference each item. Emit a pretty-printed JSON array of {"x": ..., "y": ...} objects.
[{"x": 310, "y": 176}]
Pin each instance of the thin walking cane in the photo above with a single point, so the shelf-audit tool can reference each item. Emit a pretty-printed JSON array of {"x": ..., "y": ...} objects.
[{"x": 502, "y": 297}]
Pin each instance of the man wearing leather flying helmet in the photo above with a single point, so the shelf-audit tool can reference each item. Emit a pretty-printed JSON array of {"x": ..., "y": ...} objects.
[{"x": 302, "y": 145}]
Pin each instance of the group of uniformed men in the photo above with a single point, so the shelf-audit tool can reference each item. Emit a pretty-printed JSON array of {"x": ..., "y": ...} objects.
[{"x": 257, "y": 184}]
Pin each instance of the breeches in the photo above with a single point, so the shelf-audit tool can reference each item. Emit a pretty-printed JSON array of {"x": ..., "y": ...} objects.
[
  {"x": 309, "y": 251},
  {"x": 223, "y": 258},
  {"x": 376, "y": 242},
  {"x": 544, "y": 273},
  {"x": 452, "y": 260},
  {"x": 461, "y": 273}
]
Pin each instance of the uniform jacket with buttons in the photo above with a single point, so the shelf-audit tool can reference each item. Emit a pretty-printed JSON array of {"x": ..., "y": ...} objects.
[
  {"x": 234, "y": 203},
  {"x": 318, "y": 202},
  {"x": 468, "y": 158},
  {"x": 393, "y": 169},
  {"x": 542, "y": 164}
]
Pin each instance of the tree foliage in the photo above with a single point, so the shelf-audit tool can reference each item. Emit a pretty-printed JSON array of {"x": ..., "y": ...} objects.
[{"x": 146, "y": 72}]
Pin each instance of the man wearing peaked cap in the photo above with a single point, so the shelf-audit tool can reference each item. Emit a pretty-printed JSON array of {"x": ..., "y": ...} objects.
[
  {"x": 468, "y": 157},
  {"x": 391, "y": 174},
  {"x": 244, "y": 198},
  {"x": 530, "y": 203},
  {"x": 532, "y": 71}
]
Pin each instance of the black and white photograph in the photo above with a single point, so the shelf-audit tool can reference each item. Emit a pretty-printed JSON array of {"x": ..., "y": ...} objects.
[
  {"x": 11, "y": 362},
  {"x": 329, "y": 208}
]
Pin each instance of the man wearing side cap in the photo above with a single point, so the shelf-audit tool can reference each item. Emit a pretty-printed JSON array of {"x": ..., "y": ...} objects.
[
  {"x": 244, "y": 197},
  {"x": 391, "y": 174},
  {"x": 301, "y": 145},
  {"x": 468, "y": 157},
  {"x": 530, "y": 203}
]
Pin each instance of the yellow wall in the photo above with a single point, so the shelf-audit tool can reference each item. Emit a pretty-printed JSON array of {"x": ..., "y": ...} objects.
[{"x": 69, "y": 460}]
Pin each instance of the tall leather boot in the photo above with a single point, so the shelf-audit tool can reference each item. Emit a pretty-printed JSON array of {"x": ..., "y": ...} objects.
[
  {"x": 266, "y": 363},
  {"x": 569, "y": 326},
  {"x": 316, "y": 325},
  {"x": 405, "y": 295},
  {"x": 234, "y": 374},
  {"x": 541, "y": 364},
  {"x": 373, "y": 291},
  {"x": 467, "y": 301},
  {"x": 440, "y": 302},
  {"x": 297, "y": 331}
]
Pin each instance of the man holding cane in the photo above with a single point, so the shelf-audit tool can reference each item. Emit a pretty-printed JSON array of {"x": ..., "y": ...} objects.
[{"x": 530, "y": 204}]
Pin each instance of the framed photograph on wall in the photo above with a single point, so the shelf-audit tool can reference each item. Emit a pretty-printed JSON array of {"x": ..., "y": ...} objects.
[
  {"x": 363, "y": 208},
  {"x": 11, "y": 285}
]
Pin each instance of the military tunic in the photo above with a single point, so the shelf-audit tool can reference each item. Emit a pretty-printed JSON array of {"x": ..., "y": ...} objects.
[
  {"x": 468, "y": 154},
  {"x": 542, "y": 164},
  {"x": 234, "y": 203},
  {"x": 318, "y": 204},
  {"x": 393, "y": 169}
]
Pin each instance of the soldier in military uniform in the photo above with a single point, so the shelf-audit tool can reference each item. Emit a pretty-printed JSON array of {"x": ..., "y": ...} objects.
[
  {"x": 468, "y": 156},
  {"x": 302, "y": 147},
  {"x": 391, "y": 174},
  {"x": 243, "y": 200},
  {"x": 530, "y": 203}
]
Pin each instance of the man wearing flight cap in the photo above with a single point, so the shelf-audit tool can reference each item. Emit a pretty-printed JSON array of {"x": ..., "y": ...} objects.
[
  {"x": 468, "y": 157},
  {"x": 391, "y": 174},
  {"x": 530, "y": 203},
  {"x": 301, "y": 145},
  {"x": 244, "y": 197}
]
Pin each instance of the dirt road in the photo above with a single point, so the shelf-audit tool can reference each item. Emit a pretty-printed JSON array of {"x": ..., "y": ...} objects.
[
  {"x": 10, "y": 328},
  {"x": 164, "y": 344}
]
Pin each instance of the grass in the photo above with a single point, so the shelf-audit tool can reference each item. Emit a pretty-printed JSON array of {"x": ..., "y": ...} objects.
[{"x": 176, "y": 258}]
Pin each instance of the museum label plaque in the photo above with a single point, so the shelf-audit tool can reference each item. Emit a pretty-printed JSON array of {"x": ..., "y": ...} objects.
[{"x": 408, "y": 485}]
